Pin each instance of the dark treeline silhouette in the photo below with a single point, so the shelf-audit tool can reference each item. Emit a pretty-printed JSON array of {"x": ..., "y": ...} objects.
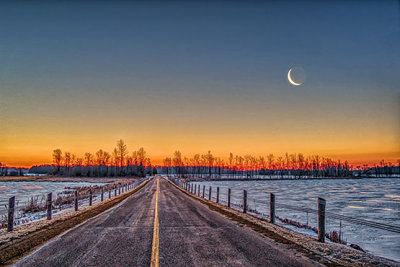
[
  {"x": 3, "y": 169},
  {"x": 248, "y": 166},
  {"x": 11, "y": 171},
  {"x": 101, "y": 164}
]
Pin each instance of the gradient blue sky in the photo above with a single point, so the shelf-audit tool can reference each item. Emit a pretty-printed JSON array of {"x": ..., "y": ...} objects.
[{"x": 196, "y": 76}]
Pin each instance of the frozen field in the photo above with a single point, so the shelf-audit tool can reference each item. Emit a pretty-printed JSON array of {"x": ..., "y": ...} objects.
[
  {"x": 375, "y": 200},
  {"x": 24, "y": 191}
]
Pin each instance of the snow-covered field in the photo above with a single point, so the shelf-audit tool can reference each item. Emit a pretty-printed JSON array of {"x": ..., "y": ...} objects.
[
  {"x": 25, "y": 191},
  {"x": 376, "y": 200}
]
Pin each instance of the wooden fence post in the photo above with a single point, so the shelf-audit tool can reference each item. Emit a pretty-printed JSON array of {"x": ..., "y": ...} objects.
[
  {"x": 321, "y": 219},
  {"x": 109, "y": 193},
  {"x": 229, "y": 197},
  {"x": 272, "y": 208},
  {"x": 115, "y": 191},
  {"x": 244, "y": 201},
  {"x": 209, "y": 193},
  {"x": 102, "y": 193},
  {"x": 90, "y": 197},
  {"x": 198, "y": 190},
  {"x": 49, "y": 203},
  {"x": 119, "y": 190},
  {"x": 76, "y": 200},
  {"x": 217, "y": 194},
  {"x": 11, "y": 207},
  {"x": 204, "y": 189},
  {"x": 195, "y": 188}
]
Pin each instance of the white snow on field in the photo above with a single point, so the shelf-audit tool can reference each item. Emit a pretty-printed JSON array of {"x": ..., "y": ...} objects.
[{"x": 375, "y": 200}]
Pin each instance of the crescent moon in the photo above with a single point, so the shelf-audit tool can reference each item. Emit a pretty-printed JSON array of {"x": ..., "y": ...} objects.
[{"x": 290, "y": 78}]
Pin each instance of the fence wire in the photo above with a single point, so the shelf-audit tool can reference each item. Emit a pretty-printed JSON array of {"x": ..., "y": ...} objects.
[{"x": 382, "y": 226}]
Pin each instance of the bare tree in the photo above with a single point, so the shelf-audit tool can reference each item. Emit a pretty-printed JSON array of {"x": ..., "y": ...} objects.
[{"x": 57, "y": 158}]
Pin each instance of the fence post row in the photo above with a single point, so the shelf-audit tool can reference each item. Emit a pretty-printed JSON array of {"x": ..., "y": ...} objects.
[
  {"x": 229, "y": 197},
  {"x": 11, "y": 207},
  {"x": 209, "y": 193},
  {"x": 90, "y": 197},
  {"x": 217, "y": 194},
  {"x": 321, "y": 219},
  {"x": 272, "y": 208},
  {"x": 244, "y": 201},
  {"x": 76, "y": 200},
  {"x": 49, "y": 205}
]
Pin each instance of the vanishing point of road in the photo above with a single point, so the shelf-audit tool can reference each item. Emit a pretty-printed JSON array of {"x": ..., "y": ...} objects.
[{"x": 161, "y": 226}]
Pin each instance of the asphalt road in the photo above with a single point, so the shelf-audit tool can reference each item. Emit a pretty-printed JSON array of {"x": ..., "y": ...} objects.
[{"x": 190, "y": 234}]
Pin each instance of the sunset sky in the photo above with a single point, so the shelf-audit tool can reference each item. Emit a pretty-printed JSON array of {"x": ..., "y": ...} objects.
[{"x": 200, "y": 76}]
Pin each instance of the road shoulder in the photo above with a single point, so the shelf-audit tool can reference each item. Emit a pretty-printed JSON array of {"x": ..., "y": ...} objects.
[
  {"x": 327, "y": 253},
  {"x": 22, "y": 243}
]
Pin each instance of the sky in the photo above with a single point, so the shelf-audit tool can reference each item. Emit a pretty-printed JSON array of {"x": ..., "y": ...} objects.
[{"x": 199, "y": 76}]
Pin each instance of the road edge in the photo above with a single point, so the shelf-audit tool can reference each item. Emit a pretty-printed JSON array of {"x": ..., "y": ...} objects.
[
  {"x": 311, "y": 247},
  {"x": 13, "y": 251}
]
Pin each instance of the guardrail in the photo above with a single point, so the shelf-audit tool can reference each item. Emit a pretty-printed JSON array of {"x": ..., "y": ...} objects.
[{"x": 273, "y": 205}]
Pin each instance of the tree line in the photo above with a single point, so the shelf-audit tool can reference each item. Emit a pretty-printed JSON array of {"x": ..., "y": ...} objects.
[
  {"x": 290, "y": 165},
  {"x": 118, "y": 163}
]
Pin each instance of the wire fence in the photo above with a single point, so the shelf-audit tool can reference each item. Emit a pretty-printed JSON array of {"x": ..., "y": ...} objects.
[
  {"x": 35, "y": 208},
  {"x": 252, "y": 207}
]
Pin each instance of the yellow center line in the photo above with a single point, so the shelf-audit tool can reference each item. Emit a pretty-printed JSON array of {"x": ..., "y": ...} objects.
[{"x": 155, "y": 256}]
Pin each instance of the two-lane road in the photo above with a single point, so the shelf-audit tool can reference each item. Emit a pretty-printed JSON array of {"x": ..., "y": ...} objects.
[{"x": 188, "y": 234}]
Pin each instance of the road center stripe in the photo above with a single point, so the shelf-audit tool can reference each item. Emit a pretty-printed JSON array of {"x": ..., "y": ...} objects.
[{"x": 155, "y": 257}]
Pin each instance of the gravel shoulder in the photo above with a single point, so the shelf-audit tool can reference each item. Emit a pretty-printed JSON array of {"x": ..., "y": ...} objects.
[
  {"x": 25, "y": 239},
  {"x": 326, "y": 253}
]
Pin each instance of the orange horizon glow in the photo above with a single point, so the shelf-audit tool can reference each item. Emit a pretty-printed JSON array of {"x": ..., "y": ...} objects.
[
  {"x": 354, "y": 160},
  {"x": 217, "y": 83}
]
